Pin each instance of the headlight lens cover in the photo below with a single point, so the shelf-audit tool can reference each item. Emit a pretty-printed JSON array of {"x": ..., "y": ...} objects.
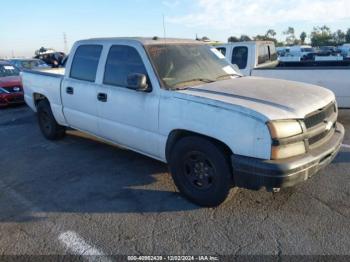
[
  {"x": 287, "y": 151},
  {"x": 3, "y": 91},
  {"x": 284, "y": 128}
]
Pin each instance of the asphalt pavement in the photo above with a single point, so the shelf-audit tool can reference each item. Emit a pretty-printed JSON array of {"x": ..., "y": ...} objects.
[{"x": 82, "y": 196}]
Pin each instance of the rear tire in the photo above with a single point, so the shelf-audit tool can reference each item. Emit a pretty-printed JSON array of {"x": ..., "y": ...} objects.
[
  {"x": 201, "y": 171},
  {"x": 47, "y": 123}
]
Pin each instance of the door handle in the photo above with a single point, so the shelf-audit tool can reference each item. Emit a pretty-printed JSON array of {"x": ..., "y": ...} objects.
[
  {"x": 102, "y": 97},
  {"x": 70, "y": 90}
]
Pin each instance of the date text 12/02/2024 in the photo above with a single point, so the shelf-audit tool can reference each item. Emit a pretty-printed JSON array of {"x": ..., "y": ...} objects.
[{"x": 173, "y": 258}]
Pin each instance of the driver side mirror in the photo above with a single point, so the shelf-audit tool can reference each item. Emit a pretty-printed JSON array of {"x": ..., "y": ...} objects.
[{"x": 138, "y": 82}]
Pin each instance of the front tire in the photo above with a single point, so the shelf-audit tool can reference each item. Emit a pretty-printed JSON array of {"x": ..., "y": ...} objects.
[
  {"x": 47, "y": 123},
  {"x": 201, "y": 171}
]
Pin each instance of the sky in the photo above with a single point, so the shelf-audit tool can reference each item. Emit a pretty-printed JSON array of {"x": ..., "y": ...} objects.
[{"x": 28, "y": 25}]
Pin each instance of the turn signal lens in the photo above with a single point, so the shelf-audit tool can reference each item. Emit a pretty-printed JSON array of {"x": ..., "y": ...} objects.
[{"x": 287, "y": 151}]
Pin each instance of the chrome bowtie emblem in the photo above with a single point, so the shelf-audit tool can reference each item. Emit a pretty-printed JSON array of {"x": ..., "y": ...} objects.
[
  {"x": 16, "y": 89},
  {"x": 329, "y": 125}
]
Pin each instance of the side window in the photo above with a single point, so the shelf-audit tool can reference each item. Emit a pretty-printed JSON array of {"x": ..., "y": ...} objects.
[
  {"x": 263, "y": 55},
  {"x": 273, "y": 53},
  {"x": 85, "y": 62},
  {"x": 222, "y": 50},
  {"x": 240, "y": 56},
  {"x": 267, "y": 53},
  {"x": 121, "y": 62}
]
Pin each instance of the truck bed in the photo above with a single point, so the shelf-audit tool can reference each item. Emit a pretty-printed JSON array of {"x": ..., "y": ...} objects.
[
  {"x": 334, "y": 78},
  {"x": 46, "y": 82},
  {"x": 315, "y": 64},
  {"x": 48, "y": 72}
]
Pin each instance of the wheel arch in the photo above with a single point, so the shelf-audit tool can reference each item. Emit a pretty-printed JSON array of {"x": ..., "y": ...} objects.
[
  {"x": 178, "y": 134},
  {"x": 37, "y": 97},
  {"x": 56, "y": 109}
]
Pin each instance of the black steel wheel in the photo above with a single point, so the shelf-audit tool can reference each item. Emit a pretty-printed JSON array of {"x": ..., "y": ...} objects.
[
  {"x": 201, "y": 171},
  {"x": 48, "y": 125},
  {"x": 198, "y": 170}
]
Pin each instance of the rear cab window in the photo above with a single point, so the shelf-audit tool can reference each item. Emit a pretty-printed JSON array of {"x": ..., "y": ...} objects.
[
  {"x": 240, "y": 56},
  {"x": 85, "y": 62}
]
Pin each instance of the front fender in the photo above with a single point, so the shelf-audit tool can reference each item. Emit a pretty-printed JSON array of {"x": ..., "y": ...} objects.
[{"x": 245, "y": 135}]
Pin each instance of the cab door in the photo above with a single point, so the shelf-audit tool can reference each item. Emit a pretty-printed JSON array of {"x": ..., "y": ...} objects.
[
  {"x": 126, "y": 116},
  {"x": 78, "y": 89}
]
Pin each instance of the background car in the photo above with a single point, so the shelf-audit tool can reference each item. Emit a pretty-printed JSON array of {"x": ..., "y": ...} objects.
[
  {"x": 53, "y": 59},
  {"x": 305, "y": 52},
  {"x": 328, "y": 51},
  {"x": 28, "y": 64},
  {"x": 345, "y": 50},
  {"x": 282, "y": 51},
  {"x": 11, "y": 90}
]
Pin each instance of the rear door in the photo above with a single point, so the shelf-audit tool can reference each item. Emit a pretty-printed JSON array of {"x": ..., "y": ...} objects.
[{"x": 79, "y": 95}]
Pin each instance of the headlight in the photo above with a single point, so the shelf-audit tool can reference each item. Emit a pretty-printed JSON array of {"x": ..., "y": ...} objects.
[
  {"x": 284, "y": 128},
  {"x": 3, "y": 91},
  {"x": 287, "y": 151}
]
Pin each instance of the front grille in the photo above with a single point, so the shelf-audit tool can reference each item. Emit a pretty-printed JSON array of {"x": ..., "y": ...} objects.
[
  {"x": 317, "y": 124},
  {"x": 16, "y": 100},
  {"x": 320, "y": 116},
  {"x": 315, "y": 139}
]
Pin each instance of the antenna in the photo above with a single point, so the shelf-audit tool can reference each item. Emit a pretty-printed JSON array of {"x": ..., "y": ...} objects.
[
  {"x": 65, "y": 43},
  {"x": 165, "y": 43},
  {"x": 164, "y": 27}
]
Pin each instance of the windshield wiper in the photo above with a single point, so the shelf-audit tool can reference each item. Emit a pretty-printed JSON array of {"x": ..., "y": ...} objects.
[
  {"x": 204, "y": 80},
  {"x": 227, "y": 75}
]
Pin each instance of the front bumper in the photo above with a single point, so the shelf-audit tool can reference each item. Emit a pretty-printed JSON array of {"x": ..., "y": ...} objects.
[
  {"x": 252, "y": 173},
  {"x": 11, "y": 99}
]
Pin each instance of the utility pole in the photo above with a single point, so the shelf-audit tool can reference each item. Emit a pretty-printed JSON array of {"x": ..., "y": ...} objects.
[{"x": 65, "y": 43}]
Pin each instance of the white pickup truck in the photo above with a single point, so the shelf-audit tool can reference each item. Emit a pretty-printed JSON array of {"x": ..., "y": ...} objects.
[
  {"x": 260, "y": 59},
  {"x": 181, "y": 102}
]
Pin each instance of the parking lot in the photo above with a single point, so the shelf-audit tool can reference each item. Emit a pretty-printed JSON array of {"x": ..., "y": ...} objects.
[{"x": 82, "y": 196}]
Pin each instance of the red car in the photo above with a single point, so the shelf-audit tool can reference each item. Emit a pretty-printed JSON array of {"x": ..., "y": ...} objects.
[{"x": 11, "y": 90}]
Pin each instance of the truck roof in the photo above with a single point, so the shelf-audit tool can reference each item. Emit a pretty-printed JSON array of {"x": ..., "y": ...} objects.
[
  {"x": 4, "y": 62},
  {"x": 143, "y": 40},
  {"x": 247, "y": 43},
  {"x": 23, "y": 59}
]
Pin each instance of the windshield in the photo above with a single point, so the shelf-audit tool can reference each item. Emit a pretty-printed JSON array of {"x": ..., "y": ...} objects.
[
  {"x": 31, "y": 64},
  {"x": 182, "y": 65},
  {"x": 307, "y": 50},
  {"x": 8, "y": 70}
]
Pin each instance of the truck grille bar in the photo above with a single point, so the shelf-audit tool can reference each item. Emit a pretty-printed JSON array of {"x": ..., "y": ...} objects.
[
  {"x": 321, "y": 124},
  {"x": 320, "y": 116}
]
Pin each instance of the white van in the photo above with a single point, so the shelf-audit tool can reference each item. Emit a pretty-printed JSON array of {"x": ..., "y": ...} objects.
[
  {"x": 345, "y": 50},
  {"x": 301, "y": 50}
]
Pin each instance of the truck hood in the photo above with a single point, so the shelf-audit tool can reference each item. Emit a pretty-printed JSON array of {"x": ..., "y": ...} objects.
[
  {"x": 10, "y": 81},
  {"x": 267, "y": 99}
]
